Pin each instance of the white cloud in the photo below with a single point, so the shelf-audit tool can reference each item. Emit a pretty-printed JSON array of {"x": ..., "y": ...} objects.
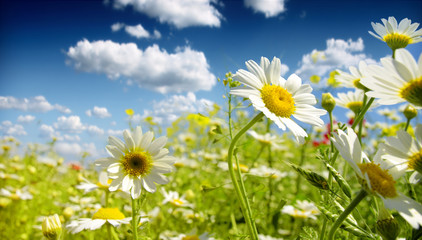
[
  {"x": 26, "y": 119},
  {"x": 137, "y": 31},
  {"x": 68, "y": 149},
  {"x": 8, "y": 128},
  {"x": 168, "y": 110},
  {"x": 270, "y": 8},
  {"x": 284, "y": 69},
  {"x": 99, "y": 112},
  {"x": 181, "y": 13},
  {"x": 71, "y": 138},
  {"x": 152, "y": 68},
  {"x": 47, "y": 131},
  {"x": 35, "y": 104},
  {"x": 94, "y": 130},
  {"x": 112, "y": 132},
  {"x": 117, "y": 26},
  {"x": 157, "y": 34},
  {"x": 339, "y": 54},
  {"x": 69, "y": 124}
]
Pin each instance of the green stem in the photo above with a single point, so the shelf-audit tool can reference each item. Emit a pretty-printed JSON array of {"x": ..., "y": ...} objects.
[
  {"x": 240, "y": 192},
  {"x": 361, "y": 195},
  {"x": 134, "y": 220},
  {"x": 407, "y": 125},
  {"x": 365, "y": 98},
  {"x": 109, "y": 231},
  {"x": 362, "y": 113}
]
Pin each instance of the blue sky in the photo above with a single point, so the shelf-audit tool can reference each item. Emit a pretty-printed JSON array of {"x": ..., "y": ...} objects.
[{"x": 69, "y": 69}]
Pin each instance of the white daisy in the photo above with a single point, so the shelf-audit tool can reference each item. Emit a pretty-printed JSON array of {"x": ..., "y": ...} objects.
[
  {"x": 397, "y": 35},
  {"x": 404, "y": 151},
  {"x": 103, "y": 183},
  {"x": 16, "y": 194},
  {"x": 277, "y": 98},
  {"x": 268, "y": 139},
  {"x": 352, "y": 100},
  {"x": 397, "y": 80},
  {"x": 175, "y": 199},
  {"x": 139, "y": 162},
  {"x": 104, "y": 215},
  {"x": 264, "y": 171},
  {"x": 377, "y": 177},
  {"x": 303, "y": 209},
  {"x": 352, "y": 80}
]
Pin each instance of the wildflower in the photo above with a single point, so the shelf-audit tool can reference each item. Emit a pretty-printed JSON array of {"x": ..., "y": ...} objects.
[
  {"x": 17, "y": 194},
  {"x": 264, "y": 171},
  {"x": 277, "y": 98},
  {"x": 103, "y": 183},
  {"x": 104, "y": 215},
  {"x": 404, "y": 151},
  {"x": 387, "y": 225},
  {"x": 410, "y": 112},
  {"x": 377, "y": 177},
  {"x": 174, "y": 199},
  {"x": 268, "y": 139},
  {"x": 304, "y": 209},
  {"x": 398, "y": 80},
  {"x": 352, "y": 80},
  {"x": 139, "y": 162},
  {"x": 129, "y": 112},
  {"x": 397, "y": 36},
  {"x": 52, "y": 227},
  {"x": 328, "y": 102},
  {"x": 352, "y": 100}
]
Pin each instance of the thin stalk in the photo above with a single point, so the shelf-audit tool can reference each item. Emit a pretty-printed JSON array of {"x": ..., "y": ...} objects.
[
  {"x": 407, "y": 125},
  {"x": 240, "y": 192},
  {"x": 365, "y": 98},
  {"x": 362, "y": 113},
  {"x": 134, "y": 220},
  {"x": 361, "y": 195}
]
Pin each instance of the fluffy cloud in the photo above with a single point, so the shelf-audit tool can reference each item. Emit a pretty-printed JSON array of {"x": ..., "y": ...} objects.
[
  {"x": 99, "y": 112},
  {"x": 152, "y": 68},
  {"x": 75, "y": 150},
  {"x": 270, "y": 8},
  {"x": 137, "y": 31},
  {"x": 8, "y": 128},
  {"x": 339, "y": 54},
  {"x": 181, "y": 13},
  {"x": 69, "y": 124},
  {"x": 36, "y": 104},
  {"x": 47, "y": 131},
  {"x": 166, "y": 111},
  {"x": 94, "y": 130},
  {"x": 26, "y": 119},
  {"x": 112, "y": 132}
]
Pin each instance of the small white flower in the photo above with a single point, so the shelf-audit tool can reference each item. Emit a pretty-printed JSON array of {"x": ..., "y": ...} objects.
[
  {"x": 87, "y": 186},
  {"x": 138, "y": 163},
  {"x": 175, "y": 199},
  {"x": 303, "y": 209},
  {"x": 277, "y": 98},
  {"x": 264, "y": 171},
  {"x": 104, "y": 215},
  {"x": 16, "y": 194},
  {"x": 268, "y": 139},
  {"x": 352, "y": 80},
  {"x": 397, "y": 35}
]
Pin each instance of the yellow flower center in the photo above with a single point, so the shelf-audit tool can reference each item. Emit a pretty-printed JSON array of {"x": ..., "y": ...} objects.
[
  {"x": 177, "y": 202},
  {"x": 355, "y": 106},
  {"x": 137, "y": 163},
  {"x": 15, "y": 196},
  {"x": 415, "y": 161},
  {"x": 381, "y": 180},
  {"x": 278, "y": 100},
  {"x": 193, "y": 237},
  {"x": 108, "y": 213},
  {"x": 397, "y": 40},
  {"x": 100, "y": 185},
  {"x": 412, "y": 92}
]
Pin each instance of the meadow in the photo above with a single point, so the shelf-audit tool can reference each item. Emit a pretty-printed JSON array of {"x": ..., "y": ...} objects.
[{"x": 244, "y": 170}]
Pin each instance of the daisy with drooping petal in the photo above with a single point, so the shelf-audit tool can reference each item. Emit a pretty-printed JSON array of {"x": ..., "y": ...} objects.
[
  {"x": 303, "y": 209},
  {"x": 268, "y": 139},
  {"x": 397, "y": 35},
  {"x": 175, "y": 199},
  {"x": 404, "y": 151},
  {"x": 103, "y": 183},
  {"x": 352, "y": 100},
  {"x": 352, "y": 80},
  {"x": 104, "y": 215},
  {"x": 264, "y": 171},
  {"x": 277, "y": 98},
  {"x": 138, "y": 163},
  {"x": 378, "y": 177},
  {"x": 398, "y": 80}
]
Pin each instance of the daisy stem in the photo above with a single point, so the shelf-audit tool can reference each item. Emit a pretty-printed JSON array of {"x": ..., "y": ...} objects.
[
  {"x": 134, "y": 220},
  {"x": 407, "y": 125},
  {"x": 359, "y": 118},
  {"x": 240, "y": 189},
  {"x": 361, "y": 195},
  {"x": 365, "y": 98}
]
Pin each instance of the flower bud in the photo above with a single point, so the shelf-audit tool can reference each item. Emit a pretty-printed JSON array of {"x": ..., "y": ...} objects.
[
  {"x": 328, "y": 102},
  {"x": 52, "y": 227},
  {"x": 387, "y": 226},
  {"x": 410, "y": 112}
]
